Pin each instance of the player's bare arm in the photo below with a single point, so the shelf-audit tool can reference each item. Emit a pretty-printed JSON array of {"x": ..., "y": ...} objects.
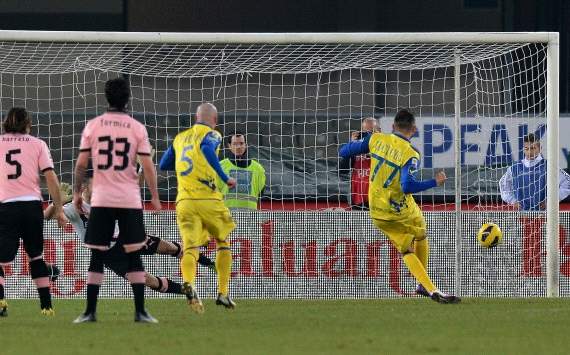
[
  {"x": 149, "y": 172},
  {"x": 140, "y": 170},
  {"x": 80, "y": 173},
  {"x": 50, "y": 213},
  {"x": 53, "y": 188}
]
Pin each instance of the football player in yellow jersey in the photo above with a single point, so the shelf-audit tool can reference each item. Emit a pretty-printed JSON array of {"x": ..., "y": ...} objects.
[
  {"x": 200, "y": 209},
  {"x": 392, "y": 206}
]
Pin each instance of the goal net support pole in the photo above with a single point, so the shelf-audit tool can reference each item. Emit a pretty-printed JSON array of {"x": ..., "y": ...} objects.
[
  {"x": 552, "y": 208},
  {"x": 457, "y": 177}
]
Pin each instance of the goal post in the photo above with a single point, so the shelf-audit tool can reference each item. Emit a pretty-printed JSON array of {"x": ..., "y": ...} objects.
[
  {"x": 552, "y": 208},
  {"x": 297, "y": 97},
  {"x": 281, "y": 38},
  {"x": 457, "y": 175}
]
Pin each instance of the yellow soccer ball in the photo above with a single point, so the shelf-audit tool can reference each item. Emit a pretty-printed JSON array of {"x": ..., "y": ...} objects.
[{"x": 489, "y": 235}]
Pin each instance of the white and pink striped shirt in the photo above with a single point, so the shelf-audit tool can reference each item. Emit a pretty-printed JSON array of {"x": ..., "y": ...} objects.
[
  {"x": 22, "y": 158},
  {"x": 114, "y": 139}
]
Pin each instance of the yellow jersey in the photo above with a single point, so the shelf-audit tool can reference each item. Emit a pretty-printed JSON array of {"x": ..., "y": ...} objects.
[
  {"x": 389, "y": 153},
  {"x": 196, "y": 178}
]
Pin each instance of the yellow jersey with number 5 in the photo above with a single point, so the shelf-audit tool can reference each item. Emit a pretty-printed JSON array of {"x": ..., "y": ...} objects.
[
  {"x": 389, "y": 153},
  {"x": 196, "y": 178}
]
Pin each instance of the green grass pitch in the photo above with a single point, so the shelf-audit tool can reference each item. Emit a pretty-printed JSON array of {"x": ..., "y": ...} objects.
[{"x": 396, "y": 326}]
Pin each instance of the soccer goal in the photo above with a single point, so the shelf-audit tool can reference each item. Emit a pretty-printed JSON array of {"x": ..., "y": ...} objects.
[{"x": 297, "y": 98}]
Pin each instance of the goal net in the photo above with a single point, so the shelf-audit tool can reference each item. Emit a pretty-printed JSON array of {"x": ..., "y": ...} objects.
[{"x": 297, "y": 98}]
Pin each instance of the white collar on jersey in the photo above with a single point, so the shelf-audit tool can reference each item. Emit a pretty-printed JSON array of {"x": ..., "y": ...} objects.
[{"x": 530, "y": 163}]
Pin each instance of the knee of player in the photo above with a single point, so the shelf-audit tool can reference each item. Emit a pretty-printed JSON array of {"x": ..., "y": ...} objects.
[{"x": 38, "y": 267}]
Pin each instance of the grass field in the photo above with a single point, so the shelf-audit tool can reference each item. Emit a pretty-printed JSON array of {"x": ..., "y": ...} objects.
[{"x": 404, "y": 326}]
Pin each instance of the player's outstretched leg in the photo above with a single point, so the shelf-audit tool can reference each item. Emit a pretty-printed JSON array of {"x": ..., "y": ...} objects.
[
  {"x": 421, "y": 249},
  {"x": 136, "y": 276},
  {"x": 40, "y": 275},
  {"x": 417, "y": 269},
  {"x": 163, "y": 285},
  {"x": 95, "y": 276},
  {"x": 178, "y": 252},
  {"x": 188, "y": 266},
  {"x": 156, "y": 245},
  {"x": 165, "y": 247},
  {"x": 224, "y": 269},
  {"x": 3, "y": 304}
]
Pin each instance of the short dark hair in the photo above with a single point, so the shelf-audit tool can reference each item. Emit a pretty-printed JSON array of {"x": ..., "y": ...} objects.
[
  {"x": 531, "y": 138},
  {"x": 17, "y": 120},
  {"x": 236, "y": 134},
  {"x": 117, "y": 92},
  {"x": 404, "y": 120}
]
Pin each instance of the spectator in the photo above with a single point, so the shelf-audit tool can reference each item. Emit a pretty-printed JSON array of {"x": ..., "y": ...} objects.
[
  {"x": 524, "y": 183},
  {"x": 360, "y": 167},
  {"x": 250, "y": 176}
]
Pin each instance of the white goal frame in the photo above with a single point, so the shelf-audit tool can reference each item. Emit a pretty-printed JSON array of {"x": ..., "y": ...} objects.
[{"x": 551, "y": 39}]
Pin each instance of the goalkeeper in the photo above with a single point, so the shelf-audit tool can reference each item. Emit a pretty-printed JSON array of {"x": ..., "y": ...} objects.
[
  {"x": 114, "y": 257},
  {"x": 392, "y": 206}
]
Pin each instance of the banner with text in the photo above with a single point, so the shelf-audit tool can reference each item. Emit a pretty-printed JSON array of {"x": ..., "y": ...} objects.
[
  {"x": 329, "y": 254},
  {"x": 485, "y": 141}
]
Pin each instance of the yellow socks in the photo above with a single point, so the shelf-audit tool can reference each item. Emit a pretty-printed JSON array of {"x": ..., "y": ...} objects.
[
  {"x": 421, "y": 249},
  {"x": 417, "y": 269},
  {"x": 188, "y": 265},
  {"x": 224, "y": 269}
]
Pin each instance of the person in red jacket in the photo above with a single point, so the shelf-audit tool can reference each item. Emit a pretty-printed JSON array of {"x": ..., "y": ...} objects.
[{"x": 360, "y": 167}]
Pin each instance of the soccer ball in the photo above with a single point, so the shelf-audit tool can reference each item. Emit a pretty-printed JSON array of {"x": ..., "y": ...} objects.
[{"x": 489, "y": 235}]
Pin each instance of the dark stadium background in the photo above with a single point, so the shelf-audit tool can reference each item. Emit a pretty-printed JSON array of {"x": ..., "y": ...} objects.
[{"x": 300, "y": 16}]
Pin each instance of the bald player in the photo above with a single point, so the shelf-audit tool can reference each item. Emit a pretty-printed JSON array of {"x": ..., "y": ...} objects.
[{"x": 200, "y": 209}]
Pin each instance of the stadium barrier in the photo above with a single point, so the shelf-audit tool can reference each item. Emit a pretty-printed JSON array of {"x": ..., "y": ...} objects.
[{"x": 328, "y": 255}]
